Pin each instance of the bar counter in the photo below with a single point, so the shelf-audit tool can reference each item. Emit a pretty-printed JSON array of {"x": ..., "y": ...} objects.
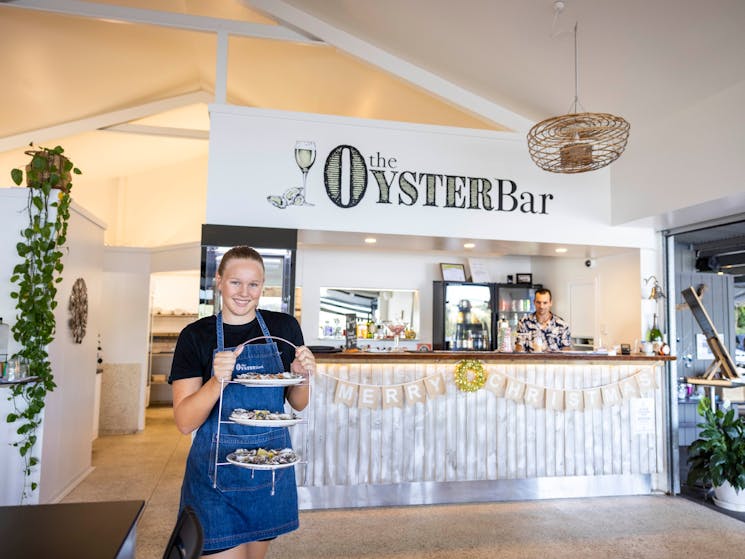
[{"x": 397, "y": 429}]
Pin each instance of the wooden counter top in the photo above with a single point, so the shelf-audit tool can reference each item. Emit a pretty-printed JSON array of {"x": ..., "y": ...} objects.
[{"x": 449, "y": 356}]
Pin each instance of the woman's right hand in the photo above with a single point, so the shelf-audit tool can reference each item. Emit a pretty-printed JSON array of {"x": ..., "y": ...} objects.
[{"x": 224, "y": 363}]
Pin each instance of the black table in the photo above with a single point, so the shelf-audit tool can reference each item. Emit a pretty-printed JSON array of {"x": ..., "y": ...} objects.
[{"x": 100, "y": 530}]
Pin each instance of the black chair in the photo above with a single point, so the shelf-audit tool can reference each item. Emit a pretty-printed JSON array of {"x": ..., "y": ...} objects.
[{"x": 187, "y": 537}]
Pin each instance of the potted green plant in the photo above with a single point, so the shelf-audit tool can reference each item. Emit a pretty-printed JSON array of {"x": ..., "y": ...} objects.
[
  {"x": 717, "y": 457},
  {"x": 48, "y": 178}
]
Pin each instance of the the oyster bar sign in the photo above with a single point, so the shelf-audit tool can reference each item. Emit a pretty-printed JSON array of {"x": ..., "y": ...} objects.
[{"x": 349, "y": 176}]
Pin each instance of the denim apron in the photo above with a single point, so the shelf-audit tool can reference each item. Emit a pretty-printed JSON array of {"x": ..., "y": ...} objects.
[{"x": 241, "y": 508}]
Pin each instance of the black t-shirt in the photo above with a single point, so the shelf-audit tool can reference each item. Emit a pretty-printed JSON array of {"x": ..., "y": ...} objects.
[{"x": 197, "y": 342}]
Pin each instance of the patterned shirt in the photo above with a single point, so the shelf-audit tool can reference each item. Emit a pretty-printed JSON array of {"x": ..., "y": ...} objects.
[{"x": 555, "y": 333}]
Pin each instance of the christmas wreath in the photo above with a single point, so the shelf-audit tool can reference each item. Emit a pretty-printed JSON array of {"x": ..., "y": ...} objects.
[{"x": 469, "y": 375}]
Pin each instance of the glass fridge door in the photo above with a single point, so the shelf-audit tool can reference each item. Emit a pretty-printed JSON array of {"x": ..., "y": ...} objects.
[
  {"x": 276, "y": 295},
  {"x": 468, "y": 316},
  {"x": 515, "y": 302}
]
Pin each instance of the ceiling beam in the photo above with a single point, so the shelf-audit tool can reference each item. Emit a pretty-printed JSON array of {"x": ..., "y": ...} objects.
[
  {"x": 105, "y": 120},
  {"x": 109, "y": 12},
  {"x": 710, "y": 248},
  {"x": 166, "y": 131},
  {"x": 394, "y": 65}
]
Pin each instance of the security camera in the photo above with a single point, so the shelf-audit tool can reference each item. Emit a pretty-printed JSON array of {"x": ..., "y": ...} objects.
[{"x": 590, "y": 263}]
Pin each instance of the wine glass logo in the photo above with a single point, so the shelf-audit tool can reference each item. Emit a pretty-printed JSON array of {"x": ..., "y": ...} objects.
[{"x": 305, "y": 156}]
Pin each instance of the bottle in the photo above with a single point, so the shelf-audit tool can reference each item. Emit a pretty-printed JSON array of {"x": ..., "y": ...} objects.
[
  {"x": 503, "y": 331},
  {"x": 4, "y": 337},
  {"x": 506, "y": 338},
  {"x": 655, "y": 334}
]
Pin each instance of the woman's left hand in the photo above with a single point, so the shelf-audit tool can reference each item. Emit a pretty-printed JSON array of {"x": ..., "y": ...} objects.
[{"x": 304, "y": 363}]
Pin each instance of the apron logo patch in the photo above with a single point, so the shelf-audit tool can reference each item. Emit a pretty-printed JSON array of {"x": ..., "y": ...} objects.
[{"x": 243, "y": 367}]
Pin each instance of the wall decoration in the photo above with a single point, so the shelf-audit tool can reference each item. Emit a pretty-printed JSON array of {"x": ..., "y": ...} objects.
[
  {"x": 453, "y": 272},
  {"x": 78, "y": 310},
  {"x": 469, "y": 375}
]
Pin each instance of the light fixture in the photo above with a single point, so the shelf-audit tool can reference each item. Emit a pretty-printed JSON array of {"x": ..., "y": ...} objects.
[
  {"x": 656, "y": 292},
  {"x": 469, "y": 245},
  {"x": 561, "y": 250},
  {"x": 578, "y": 141},
  {"x": 371, "y": 240}
]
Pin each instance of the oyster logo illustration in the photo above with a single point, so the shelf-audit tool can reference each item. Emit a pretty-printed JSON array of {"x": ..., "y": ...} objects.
[{"x": 305, "y": 156}]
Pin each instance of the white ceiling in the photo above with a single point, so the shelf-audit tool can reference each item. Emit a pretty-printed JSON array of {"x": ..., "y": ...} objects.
[{"x": 497, "y": 64}]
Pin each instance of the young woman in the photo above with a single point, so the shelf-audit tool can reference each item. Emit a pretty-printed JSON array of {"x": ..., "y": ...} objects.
[{"x": 247, "y": 508}]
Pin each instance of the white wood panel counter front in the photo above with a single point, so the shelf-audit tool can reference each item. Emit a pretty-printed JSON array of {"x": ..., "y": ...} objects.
[{"x": 386, "y": 429}]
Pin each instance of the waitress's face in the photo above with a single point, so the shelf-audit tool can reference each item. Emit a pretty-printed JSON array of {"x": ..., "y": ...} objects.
[{"x": 240, "y": 285}]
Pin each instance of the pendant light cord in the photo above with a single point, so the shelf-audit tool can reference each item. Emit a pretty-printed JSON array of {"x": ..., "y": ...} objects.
[{"x": 576, "y": 70}]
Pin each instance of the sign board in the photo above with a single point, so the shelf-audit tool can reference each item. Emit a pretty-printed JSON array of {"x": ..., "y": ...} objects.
[{"x": 303, "y": 171}]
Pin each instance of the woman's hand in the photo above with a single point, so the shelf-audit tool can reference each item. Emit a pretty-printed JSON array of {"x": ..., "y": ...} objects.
[
  {"x": 304, "y": 363},
  {"x": 224, "y": 363}
]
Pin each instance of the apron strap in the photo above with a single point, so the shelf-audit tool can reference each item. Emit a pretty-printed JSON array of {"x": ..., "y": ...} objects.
[
  {"x": 220, "y": 333},
  {"x": 264, "y": 329}
]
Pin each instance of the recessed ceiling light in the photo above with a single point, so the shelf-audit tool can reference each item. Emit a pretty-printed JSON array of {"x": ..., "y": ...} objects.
[
  {"x": 561, "y": 250},
  {"x": 371, "y": 240},
  {"x": 469, "y": 245}
]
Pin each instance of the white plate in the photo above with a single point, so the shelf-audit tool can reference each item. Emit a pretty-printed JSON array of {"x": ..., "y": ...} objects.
[
  {"x": 266, "y": 422},
  {"x": 270, "y": 381},
  {"x": 232, "y": 460}
]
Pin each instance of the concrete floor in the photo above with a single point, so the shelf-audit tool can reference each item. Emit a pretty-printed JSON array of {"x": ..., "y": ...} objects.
[{"x": 149, "y": 466}]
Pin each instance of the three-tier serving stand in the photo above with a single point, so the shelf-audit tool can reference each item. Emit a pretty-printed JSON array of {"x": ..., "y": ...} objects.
[{"x": 270, "y": 424}]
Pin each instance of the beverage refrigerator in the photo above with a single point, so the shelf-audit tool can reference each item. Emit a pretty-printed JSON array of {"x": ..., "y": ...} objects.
[
  {"x": 514, "y": 301},
  {"x": 465, "y": 315}
]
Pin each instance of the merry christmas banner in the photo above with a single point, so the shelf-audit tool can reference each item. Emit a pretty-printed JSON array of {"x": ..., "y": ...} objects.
[{"x": 470, "y": 376}]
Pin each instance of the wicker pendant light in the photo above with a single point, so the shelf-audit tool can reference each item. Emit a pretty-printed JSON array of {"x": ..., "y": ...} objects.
[{"x": 579, "y": 141}]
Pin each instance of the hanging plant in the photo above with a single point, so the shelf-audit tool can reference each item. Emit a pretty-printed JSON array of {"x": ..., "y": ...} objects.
[{"x": 48, "y": 178}]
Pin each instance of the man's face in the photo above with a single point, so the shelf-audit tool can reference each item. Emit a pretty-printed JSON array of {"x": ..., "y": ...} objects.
[{"x": 542, "y": 304}]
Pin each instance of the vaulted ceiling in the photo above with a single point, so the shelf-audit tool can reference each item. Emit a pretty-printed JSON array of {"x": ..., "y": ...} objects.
[{"x": 126, "y": 83}]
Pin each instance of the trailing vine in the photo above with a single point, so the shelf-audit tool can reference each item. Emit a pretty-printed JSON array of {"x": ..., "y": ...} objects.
[{"x": 36, "y": 278}]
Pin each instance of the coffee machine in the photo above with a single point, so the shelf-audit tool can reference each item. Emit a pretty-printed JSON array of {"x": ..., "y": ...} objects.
[{"x": 470, "y": 333}]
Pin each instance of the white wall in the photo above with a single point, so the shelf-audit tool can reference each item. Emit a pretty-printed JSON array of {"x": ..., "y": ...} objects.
[
  {"x": 64, "y": 444},
  {"x": 653, "y": 176},
  {"x": 162, "y": 206},
  {"x": 68, "y": 431},
  {"x": 618, "y": 292},
  {"x": 125, "y": 323},
  {"x": 175, "y": 292}
]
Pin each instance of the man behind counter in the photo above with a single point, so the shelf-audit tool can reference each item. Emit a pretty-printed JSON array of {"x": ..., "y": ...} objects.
[{"x": 543, "y": 330}]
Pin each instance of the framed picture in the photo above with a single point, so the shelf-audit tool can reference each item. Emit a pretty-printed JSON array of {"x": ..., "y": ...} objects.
[
  {"x": 453, "y": 272},
  {"x": 523, "y": 278}
]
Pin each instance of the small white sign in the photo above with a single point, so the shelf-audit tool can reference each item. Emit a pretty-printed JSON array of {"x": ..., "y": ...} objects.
[
  {"x": 642, "y": 416},
  {"x": 703, "y": 351},
  {"x": 479, "y": 270}
]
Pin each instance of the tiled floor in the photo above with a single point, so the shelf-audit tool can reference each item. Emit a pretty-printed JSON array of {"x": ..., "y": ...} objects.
[{"x": 149, "y": 466}]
